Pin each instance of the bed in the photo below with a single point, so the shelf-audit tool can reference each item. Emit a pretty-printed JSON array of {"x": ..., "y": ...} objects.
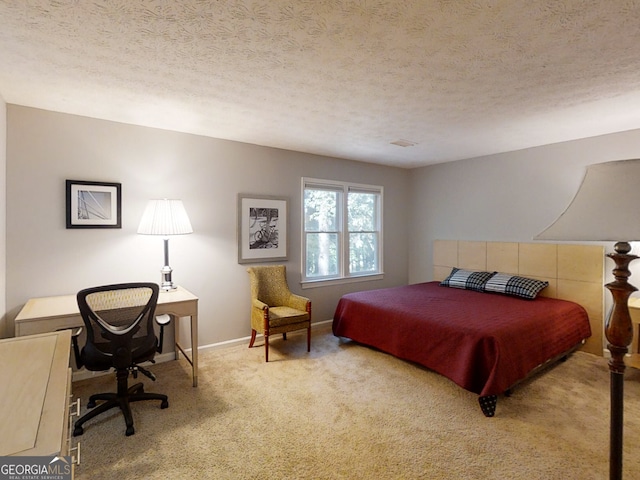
[{"x": 485, "y": 342}]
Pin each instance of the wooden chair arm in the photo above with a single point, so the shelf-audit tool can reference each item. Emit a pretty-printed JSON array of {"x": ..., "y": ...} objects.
[{"x": 255, "y": 303}]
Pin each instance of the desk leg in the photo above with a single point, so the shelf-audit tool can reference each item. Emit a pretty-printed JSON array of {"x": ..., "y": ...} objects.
[
  {"x": 194, "y": 347},
  {"x": 176, "y": 335}
]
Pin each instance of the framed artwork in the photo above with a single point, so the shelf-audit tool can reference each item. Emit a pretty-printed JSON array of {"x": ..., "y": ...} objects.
[
  {"x": 262, "y": 228},
  {"x": 94, "y": 204}
]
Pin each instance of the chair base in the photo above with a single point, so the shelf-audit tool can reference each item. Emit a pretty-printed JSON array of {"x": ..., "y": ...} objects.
[{"x": 121, "y": 399}]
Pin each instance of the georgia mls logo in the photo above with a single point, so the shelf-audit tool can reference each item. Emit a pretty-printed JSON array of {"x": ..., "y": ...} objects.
[
  {"x": 66, "y": 465},
  {"x": 35, "y": 468}
]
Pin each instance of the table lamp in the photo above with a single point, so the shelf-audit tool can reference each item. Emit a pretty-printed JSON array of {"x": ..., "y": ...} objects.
[
  {"x": 606, "y": 209},
  {"x": 165, "y": 217}
]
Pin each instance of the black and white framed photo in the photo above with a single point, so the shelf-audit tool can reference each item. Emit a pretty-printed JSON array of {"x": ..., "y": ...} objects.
[
  {"x": 94, "y": 204},
  {"x": 262, "y": 228}
]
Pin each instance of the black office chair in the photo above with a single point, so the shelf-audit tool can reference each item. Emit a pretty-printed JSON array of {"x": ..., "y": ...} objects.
[{"x": 120, "y": 335}]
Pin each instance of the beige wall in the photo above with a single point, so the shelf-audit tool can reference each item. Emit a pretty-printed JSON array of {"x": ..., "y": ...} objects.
[
  {"x": 507, "y": 197},
  {"x": 44, "y": 258}
]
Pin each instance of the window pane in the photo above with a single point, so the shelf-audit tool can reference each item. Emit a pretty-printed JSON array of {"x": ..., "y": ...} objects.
[
  {"x": 342, "y": 236},
  {"x": 322, "y": 254},
  {"x": 362, "y": 211},
  {"x": 363, "y": 248},
  {"x": 320, "y": 210}
]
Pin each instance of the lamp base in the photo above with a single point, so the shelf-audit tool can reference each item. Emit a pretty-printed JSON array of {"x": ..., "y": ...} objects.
[
  {"x": 167, "y": 285},
  {"x": 619, "y": 333}
]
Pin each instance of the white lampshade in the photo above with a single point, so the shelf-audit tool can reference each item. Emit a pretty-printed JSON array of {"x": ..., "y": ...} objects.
[
  {"x": 606, "y": 207},
  {"x": 165, "y": 217}
]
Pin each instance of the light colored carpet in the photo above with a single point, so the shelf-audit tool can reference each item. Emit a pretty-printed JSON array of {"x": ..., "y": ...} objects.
[{"x": 345, "y": 411}]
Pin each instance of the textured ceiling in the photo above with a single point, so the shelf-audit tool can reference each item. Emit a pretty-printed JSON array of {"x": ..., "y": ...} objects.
[{"x": 345, "y": 78}]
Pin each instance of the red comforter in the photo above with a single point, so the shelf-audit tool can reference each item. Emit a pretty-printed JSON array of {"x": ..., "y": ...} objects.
[{"x": 484, "y": 342}]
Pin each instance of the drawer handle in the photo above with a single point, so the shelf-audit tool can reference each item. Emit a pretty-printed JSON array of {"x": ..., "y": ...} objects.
[{"x": 77, "y": 405}]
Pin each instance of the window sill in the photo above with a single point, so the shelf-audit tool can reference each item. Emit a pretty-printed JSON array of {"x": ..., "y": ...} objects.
[{"x": 340, "y": 281}]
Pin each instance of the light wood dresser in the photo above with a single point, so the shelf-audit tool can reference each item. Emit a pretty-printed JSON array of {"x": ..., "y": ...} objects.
[{"x": 34, "y": 407}]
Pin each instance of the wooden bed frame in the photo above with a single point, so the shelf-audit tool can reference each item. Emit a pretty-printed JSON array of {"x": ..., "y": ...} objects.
[{"x": 574, "y": 272}]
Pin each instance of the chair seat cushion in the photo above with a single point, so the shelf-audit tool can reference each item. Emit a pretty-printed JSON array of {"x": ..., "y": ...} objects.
[{"x": 279, "y": 316}]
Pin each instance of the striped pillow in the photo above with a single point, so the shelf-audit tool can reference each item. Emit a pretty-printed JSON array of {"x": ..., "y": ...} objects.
[
  {"x": 467, "y": 279},
  {"x": 523, "y": 287}
]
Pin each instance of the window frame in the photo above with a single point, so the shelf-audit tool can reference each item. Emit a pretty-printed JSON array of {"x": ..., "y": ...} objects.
[{"x": 343, "y": 275}]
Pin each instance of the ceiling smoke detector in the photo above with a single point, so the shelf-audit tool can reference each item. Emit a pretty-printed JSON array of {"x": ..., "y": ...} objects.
[{"x": 404, "y": 143}]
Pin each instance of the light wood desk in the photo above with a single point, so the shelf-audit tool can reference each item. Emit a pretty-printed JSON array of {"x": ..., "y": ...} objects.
[
  {"x": 48, "y": 314},
  {"x": 36, "y": 386}
]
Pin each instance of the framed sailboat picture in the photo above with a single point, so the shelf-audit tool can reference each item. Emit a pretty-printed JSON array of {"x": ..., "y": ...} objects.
[{"x": 94, "y": 204}]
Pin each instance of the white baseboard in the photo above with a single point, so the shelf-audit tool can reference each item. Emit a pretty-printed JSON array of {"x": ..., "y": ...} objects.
[
  {"x": 83, "y": 373},
  {"x": 245, "y": 340}
]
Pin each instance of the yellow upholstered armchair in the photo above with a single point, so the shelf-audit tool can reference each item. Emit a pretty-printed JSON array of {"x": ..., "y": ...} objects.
[{"x": 274, "y": 309}]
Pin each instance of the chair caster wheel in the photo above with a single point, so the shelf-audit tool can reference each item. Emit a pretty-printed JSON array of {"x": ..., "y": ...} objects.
[
  {"x": 77, "y": 431},
  {"x": 164, "y": 404},
  {"x": 130, "y": 431}
]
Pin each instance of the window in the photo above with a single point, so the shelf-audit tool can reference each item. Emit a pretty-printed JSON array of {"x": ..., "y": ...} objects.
[{"x": 342, "y": 230}]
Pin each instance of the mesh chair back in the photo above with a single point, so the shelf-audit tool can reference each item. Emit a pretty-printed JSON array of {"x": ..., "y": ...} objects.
[{"x": 119, "y": 322}]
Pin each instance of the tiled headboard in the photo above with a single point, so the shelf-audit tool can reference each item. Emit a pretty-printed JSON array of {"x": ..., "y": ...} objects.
[{"x": 574, "y": 272}]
